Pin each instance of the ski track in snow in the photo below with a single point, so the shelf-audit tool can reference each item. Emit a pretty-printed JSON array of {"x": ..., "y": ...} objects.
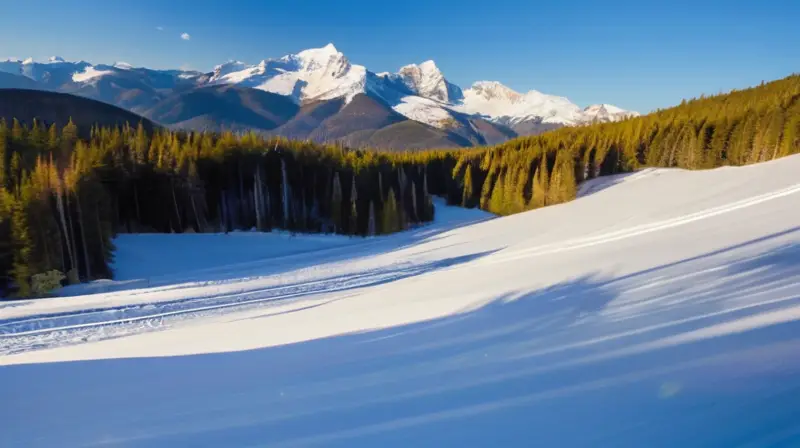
[
  {"x": 659, "y": 309},
  {"x": 17, "y": 335}
]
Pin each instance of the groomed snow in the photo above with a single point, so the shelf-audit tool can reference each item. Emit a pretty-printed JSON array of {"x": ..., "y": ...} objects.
[{"x": 659, "y": 309}]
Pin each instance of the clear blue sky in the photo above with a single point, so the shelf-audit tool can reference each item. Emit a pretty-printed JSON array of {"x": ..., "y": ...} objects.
[{"x": 638, "y": 55}]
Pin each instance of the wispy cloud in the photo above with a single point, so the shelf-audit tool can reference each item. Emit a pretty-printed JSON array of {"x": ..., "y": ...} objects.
[
  {"x": 160, "y": 28},
  {"x": 186, "y": 36}
]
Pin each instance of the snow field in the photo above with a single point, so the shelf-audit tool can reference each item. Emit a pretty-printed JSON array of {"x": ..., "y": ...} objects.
[{"x": 658, "y": 309}]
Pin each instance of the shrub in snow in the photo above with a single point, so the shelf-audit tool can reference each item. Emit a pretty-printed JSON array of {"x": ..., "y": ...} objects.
[{"x": 47, "y": 281}]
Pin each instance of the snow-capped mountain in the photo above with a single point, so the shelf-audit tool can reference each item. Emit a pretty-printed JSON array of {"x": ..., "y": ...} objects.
[
  {"x": 501, "y": 104},
  {"x": 426, "y": 80},
  {"x": 120, "y": 84},
  {"x": 607, "y": 112},
  {"x": 311, "y": 75},
  {"x": 418, "y": 92}
]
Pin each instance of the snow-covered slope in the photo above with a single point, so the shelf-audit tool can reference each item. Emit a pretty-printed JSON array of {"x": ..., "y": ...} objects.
[
  {"x": 606, "y": 113},
  {"x": 427, "y": 81},
  {"x": 498, "y": 102},
  {"x": 311, "y": 75},
  {"x": 659, "y": 309}
]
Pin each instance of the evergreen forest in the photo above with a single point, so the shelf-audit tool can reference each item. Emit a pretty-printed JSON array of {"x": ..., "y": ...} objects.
[{"x": 66, "y": 192}]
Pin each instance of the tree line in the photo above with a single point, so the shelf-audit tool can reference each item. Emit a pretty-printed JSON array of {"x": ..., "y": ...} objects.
[
  {"x": 64, "y": 193},
  {"x": 737, "y": 128}
]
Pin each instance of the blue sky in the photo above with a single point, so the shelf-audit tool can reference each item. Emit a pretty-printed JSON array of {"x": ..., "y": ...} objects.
[{"x": 638, "y": 55}]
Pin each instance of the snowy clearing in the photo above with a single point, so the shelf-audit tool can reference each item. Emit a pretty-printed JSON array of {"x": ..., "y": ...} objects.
[{"x": 659, "y": 309}]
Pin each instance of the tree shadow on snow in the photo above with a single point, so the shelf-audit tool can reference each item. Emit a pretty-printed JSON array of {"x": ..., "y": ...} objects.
[{"x": 711, "y": 361}]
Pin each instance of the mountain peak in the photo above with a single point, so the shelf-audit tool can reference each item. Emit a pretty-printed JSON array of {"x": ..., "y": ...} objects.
[
  {"x": 316, "y": 58},
  {"x": 28, "y": 61},
  {"x": 428, "y": 81},
  {"x": 323, "y": 52},
  {"x": 56, "y": 59},
  {"x": 494, "y": 89},
  {"x": 429, "y": 65}
]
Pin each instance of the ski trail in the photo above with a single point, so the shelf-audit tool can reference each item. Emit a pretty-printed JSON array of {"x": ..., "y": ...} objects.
[{"x": 580, "y": 243}]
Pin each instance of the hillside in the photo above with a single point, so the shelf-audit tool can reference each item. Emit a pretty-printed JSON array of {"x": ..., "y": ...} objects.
[
  {"x": 627, "y": 318},
  {"x": 221, "y": 108},
  {"x": 11, "y": 81},
  {"x": 58, "y": 108}
]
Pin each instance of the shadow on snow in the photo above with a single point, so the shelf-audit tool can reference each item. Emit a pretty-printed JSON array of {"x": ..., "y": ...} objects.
[{"x": 580, "y": 363}]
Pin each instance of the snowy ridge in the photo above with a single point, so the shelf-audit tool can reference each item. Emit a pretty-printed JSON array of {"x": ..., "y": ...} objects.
[
  {"x": 498, "y": 102},
  {"x": 425, "y": 95},
  {"x": 314, "y": 74},
  {"x": 681, "y": 309},
  {"x": 419, "y": 92},
  {"x": 88, "y": 74},
  {"x": 427, "y": 81}
]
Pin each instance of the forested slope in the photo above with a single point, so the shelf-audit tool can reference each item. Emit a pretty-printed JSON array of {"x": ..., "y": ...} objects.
[
  {"x": 63, "y": 197},
  {"x": 738, "y": 128}
]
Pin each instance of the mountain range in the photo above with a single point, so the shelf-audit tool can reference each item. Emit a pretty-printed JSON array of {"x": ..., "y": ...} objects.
[{"x": 316, "y": 94}]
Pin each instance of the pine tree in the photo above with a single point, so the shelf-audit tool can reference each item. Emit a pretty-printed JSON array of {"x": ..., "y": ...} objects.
[
  {"x": 467, "y": 197},
  {"x": 541, "y": 182},
  {"x": 22, "y": 243},
  {"x": 390, "y": 219}
]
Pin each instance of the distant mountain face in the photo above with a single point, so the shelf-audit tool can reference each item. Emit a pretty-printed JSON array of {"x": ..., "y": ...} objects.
[
  {"x": 317, "y": 94},
  {"x": 223, "y": 107}
]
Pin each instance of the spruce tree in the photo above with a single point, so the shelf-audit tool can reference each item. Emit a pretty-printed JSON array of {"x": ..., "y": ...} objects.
[
  {"x": 390, "y": 218},
  {"x": 467, "y": 197}
]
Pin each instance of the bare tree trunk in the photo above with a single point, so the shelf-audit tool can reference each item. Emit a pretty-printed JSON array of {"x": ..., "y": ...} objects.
[
  {"x": 136, "y": 201},
  {"x": 83, "y": 235},
  {"x": 286, "y": 194},
  {"x": 74, "y": 260},
  {"x": 224, "y": 213},
  {"x": 63, "y": 219},
  {"x": 175, "y": 202},
  {"x": 100, "y": 233},
  {"x": 257, "y": 200},
  {"x": 371, "y": 227},
  {"x": 196, "y": 216}
]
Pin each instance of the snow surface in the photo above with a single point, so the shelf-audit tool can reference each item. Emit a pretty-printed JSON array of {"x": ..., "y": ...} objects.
[
  {"x": 424, "y": 110},
  {"x": 427, "y": 81},
  {"x": 89, "y": 74},
  {"x": 313, "y": 74},
  {"x": 499, "y": 103},
  {"x": 123, "y": 65},
  {"x": 659, "y": 309}
]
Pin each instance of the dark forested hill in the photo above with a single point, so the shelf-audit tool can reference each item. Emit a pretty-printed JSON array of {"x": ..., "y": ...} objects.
[{"x": 58, "y": 108}]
